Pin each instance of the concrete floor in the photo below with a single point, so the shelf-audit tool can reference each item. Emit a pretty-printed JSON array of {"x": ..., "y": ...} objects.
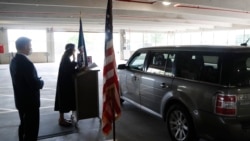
[{"x": 134, "y": 124}]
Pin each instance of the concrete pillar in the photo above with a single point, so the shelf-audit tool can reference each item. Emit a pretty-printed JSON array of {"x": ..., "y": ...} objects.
[
  {"x": 50, "y": 45},
  {"x": 122, "y": 43},
  {"x": 6, "y": 56}
]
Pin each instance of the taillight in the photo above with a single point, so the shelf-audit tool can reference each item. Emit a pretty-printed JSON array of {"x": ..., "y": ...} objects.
[{"x": 225, "y": 105}]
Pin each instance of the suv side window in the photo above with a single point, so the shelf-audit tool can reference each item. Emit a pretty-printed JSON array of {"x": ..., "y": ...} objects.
[
  {"x": 161, "y": 63},
  {"x": 137, "y": 61},
  {"x": 189, "y": 65},
  {"x": 198, "y": 66},
  {"x": 210, "y": 70}
]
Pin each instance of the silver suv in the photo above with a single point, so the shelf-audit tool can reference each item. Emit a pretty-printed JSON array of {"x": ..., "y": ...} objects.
[{"x": 200, "y": 91}]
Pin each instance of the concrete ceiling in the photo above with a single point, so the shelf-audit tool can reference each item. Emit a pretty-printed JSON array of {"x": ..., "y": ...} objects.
[{"x": 133, "y": 15}]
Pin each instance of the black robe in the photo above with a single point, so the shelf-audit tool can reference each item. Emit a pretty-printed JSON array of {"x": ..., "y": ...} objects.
[{"x": 65, "y": 90}]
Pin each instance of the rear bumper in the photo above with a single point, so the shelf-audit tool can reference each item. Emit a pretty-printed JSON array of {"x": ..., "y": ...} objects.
[{"x": 217, "y": 128}]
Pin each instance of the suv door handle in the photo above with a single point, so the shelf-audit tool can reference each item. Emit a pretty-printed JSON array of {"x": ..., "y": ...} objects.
[{"x": 163, "y": 85}]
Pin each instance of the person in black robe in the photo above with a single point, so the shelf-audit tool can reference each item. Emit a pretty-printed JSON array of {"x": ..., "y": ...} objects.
[{"x": 65, "y": 90}]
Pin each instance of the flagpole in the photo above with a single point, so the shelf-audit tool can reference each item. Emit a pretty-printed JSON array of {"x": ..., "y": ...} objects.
[
  {"x": 113, "y": 107},
  {"x": 81, "y": 46}
]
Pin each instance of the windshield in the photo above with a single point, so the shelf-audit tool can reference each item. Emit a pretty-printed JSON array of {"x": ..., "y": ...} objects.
[{"x": 236, "y": 69}]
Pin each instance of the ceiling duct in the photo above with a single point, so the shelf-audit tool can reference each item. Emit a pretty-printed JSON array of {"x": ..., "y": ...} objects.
[
  {"x": 210, "y": 8},
  {"x": 140, "y": 1}
]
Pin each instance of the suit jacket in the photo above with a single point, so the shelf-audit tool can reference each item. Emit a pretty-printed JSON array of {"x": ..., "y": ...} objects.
[{"x": 26, "y": 83}]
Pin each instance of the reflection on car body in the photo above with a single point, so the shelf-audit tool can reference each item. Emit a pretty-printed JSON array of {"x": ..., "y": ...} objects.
[{"x": 200, "y": 91}]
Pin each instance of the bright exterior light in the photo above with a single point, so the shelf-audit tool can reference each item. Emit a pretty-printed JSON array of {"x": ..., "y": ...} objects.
[{"x": 166, "y": 3}]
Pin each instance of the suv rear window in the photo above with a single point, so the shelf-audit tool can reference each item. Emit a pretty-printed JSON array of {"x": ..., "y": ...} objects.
[{"x": 236, "y": 69}]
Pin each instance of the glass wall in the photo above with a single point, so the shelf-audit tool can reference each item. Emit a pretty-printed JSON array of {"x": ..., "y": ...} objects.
[
  {"x": 207, "y": 38},
  {"x": 135, "y": 40},
  {"x": 94, "y": 43},
  {"x": 38, "y": 39},
  {"x": 221, "y": 38},
  {"x": 195, "y": 38}
]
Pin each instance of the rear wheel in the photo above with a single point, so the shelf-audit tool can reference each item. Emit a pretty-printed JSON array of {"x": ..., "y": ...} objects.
[{"x": 179, "y": 124}]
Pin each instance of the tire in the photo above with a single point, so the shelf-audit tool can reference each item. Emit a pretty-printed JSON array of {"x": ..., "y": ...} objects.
[
  {"x": 121, "y": 100},
  {"x": 179, "y": 124}
]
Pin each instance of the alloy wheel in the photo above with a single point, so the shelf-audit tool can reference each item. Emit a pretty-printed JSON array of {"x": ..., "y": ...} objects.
[{"x": 178, "y": 125}]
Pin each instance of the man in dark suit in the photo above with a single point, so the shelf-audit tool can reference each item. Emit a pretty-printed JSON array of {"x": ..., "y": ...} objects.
[{"x": 26, "y": 86}]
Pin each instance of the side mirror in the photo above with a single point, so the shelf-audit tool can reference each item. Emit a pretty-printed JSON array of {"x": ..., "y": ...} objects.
[{"x": 122, "y": 66}]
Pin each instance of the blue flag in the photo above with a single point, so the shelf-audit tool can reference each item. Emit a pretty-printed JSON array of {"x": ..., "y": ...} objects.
[{"x": 82, "y": 56}]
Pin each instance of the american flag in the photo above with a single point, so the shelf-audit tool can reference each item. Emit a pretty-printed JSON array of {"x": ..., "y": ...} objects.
[
  {"x": 111, "y": 97},
  {"x": 81, "y": 46}
]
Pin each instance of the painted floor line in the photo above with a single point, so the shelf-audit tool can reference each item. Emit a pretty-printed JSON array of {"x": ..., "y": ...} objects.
[
  {"x": 46, "y": 107},
  {"x": 7, "y": 110},
  {"x": 8, "y": 95},
  {"x": 47, "y": 99},
  {"x": 14, "y": 110}
]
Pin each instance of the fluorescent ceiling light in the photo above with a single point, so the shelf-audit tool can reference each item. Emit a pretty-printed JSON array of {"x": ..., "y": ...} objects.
[{"x": 166, "y": 3}]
